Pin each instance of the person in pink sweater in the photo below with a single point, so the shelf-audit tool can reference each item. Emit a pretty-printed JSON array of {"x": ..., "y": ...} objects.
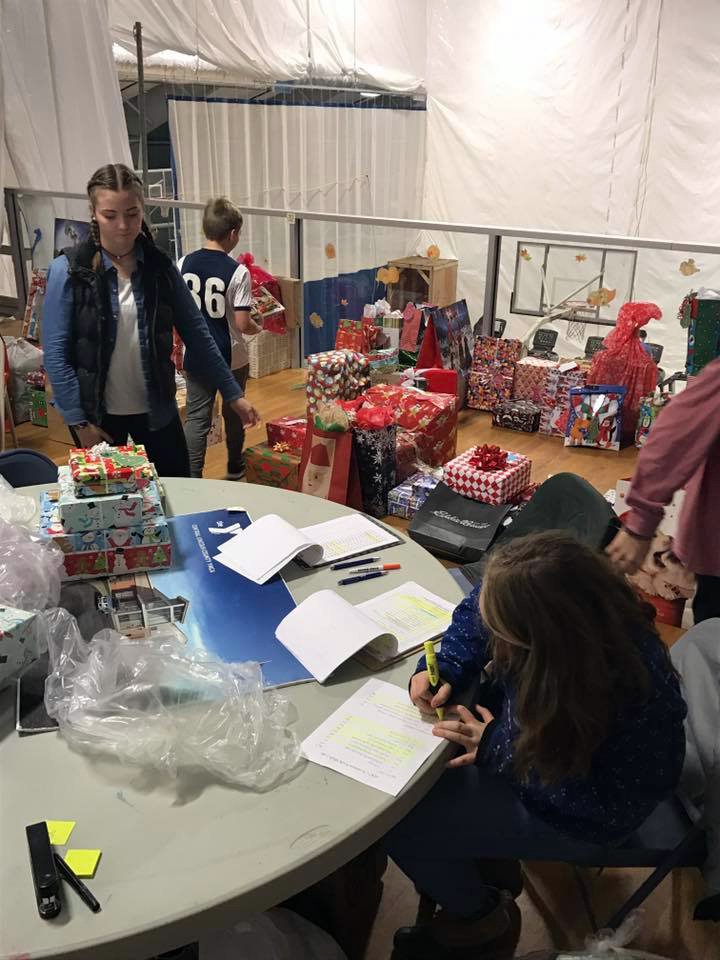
[{"x": 682, "y": 451}]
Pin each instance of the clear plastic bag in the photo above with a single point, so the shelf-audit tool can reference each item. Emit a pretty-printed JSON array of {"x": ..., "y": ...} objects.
[
  {"x": 15, "y": 508},
  {"x": 278, "y": 934},
  {"x": 29, "y": 569},
  {"x": 605, "y": 945},
  {"x": 145, "y": 702}
]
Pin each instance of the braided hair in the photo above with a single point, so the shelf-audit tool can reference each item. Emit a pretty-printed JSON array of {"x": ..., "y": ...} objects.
[{"x": 113, "y": 176}]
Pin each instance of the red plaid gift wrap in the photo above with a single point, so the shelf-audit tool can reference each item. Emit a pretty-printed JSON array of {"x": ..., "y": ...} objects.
[
  {"x": 288, "y": 430},
  {"x": 531, "y": 375},
  {"x": 429, "y": 418},
  {"x": 488, "y": 486},
  {"x": 555, "y": 404}
]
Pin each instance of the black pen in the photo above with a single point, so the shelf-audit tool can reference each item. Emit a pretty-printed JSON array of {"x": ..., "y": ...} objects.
[
  {"x": 365, "y": 576},
  {"x": 76, "y": 883},
  {"x": 354, "y": 563}
]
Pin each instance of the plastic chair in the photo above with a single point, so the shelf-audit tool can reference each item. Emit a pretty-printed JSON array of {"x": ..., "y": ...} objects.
[
  {"x": 655, "y": 350},
  {"x": 592, "y": 346},
  {"x": 21, "y": 468},
  {"x": 543, "y": 344}
]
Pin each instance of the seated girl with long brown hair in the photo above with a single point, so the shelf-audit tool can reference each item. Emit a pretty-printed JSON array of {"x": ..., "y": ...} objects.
[{"x": 574, "y": 742}]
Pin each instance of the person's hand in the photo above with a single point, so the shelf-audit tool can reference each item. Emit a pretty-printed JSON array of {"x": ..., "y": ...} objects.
[
  {"x": 91, "y": 434},
  {"x": 246, "y": 411},
  {"x": 627, "y": 552},
  {"x": 423, "y": 697},
  {"x": 467, "y": 731}
]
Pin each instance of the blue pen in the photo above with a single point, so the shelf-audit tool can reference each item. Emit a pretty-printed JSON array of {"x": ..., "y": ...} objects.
[
  {"x": 354, "y": 563},
  {"x": 365, "y": 576}
]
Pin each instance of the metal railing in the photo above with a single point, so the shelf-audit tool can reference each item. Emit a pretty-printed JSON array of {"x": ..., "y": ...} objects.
[{"x": 296, "y": 219}]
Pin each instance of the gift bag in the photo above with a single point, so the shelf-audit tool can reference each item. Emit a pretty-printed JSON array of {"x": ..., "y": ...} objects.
[
  {"x": 448, "y": 338},
  {"x": 328, "y": 468},
  {"x": 374, "y": 439},
  {"x": 595, "y": 417},
  {"x": 623, "y": 361},
  {"x": 412, "y": 327}
]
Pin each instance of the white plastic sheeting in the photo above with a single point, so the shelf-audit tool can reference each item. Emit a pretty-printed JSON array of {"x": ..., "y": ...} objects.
[
  {"x": 374, "y": 41},
  {"x": 578, "y": 115},
  {"x": 326, "y": 159},
  {"x": 62, "y": 104}
]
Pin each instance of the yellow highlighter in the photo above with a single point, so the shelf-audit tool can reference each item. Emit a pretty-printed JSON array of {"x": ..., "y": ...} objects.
[{"x": 433, "y": 673}]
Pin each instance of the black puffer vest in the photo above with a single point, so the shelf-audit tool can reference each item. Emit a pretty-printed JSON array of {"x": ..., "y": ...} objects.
[{"x": 92, "y": 344}]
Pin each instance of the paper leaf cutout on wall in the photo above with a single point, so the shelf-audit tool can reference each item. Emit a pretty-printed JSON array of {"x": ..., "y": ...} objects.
[
  {"x": 601, "y": 297},
  {"x": 316, "y": 320},
  {"x": 387, "y": 275},
  {"x": 524, "y": 254},
  {"x": 330, "y": 251},
  {"x": 581, "y": 258},
  {"x": 689, "y": 267},
  {"x": 433, "y": 251}
]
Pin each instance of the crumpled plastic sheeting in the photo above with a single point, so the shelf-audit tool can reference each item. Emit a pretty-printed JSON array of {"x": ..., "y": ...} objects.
[
  {"x": 14, "y": 507},
  {"x": 29, "y": 569},
  {"x": 145, "y": 702}
]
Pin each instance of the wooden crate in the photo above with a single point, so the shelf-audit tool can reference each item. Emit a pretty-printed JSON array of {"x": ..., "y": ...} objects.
[
  {"x": 423, "y": 280},
  {"x": 268, "y": 352}
]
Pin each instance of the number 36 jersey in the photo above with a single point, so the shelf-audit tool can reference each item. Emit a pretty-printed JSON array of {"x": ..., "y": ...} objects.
[{"x": 219, "y": 285}]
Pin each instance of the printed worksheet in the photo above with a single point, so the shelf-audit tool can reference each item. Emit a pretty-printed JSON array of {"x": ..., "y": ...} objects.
[
  {"x": 347, "y": 536},
  {"x": 377, "y": 737}
]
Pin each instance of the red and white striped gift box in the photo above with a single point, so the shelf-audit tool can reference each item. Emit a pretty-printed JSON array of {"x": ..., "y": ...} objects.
[{"x": 488, "y": 486}]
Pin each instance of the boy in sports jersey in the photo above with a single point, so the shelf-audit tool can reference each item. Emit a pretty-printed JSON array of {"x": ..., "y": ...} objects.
[{"x": 221, "y": 289}]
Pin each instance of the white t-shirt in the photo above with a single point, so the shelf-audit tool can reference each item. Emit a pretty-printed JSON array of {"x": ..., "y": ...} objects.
[{"x": 125, "y": 388}]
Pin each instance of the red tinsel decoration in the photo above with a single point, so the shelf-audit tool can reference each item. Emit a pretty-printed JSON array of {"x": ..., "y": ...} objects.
[{"x": 488, "y": 457}]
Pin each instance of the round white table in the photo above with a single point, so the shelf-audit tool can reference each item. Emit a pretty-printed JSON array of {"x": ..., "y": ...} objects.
[{"x": 180, "y": 858}]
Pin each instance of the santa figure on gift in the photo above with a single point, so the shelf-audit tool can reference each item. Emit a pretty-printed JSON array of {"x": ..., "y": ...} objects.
[{"x": 316, "y": 480}]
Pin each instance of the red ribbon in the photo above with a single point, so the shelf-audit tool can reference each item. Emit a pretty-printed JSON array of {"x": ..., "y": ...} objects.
[{"x": 488, "y": 457}]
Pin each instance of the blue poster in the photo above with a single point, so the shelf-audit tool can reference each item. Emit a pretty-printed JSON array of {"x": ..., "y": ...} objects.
[{"x": 220, "y": 612}]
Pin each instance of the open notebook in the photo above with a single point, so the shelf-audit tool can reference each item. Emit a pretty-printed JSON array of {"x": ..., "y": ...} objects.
[
  {"x": 325, "y": 630},
  {"x": 262, "y": 549}
]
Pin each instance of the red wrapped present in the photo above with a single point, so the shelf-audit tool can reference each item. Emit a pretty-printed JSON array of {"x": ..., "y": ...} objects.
[
  {"x": 531, "y": 375},
  {"x": 288, "y": 430},
  {"x": 336, "y": 375},
  {"x": 555, "y": 405},
  {"x": 406, "y": 456},
  {"x": 350, "y": 336},
  {"x": 493, "y": 372},
  {"x": 431, "y": 419},
  {"x": 488, "y": 474},
  {"x": 105, "y": 469}
]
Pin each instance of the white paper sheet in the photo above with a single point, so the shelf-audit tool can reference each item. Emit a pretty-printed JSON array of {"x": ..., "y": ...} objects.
[
  {"x": 411, "y": 614},
  {"x": 261, "y": 550},
  {"x": 346, "y": 537},
  {"x": 377, "y": 737},
  {"x": 324, "y": 631}
]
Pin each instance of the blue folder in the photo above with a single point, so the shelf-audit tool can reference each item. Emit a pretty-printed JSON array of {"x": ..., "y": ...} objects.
[{"x": 229, "y": 617}]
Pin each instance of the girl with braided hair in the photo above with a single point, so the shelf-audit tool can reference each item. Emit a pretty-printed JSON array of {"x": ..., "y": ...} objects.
[{"x": 110, "y": 308}]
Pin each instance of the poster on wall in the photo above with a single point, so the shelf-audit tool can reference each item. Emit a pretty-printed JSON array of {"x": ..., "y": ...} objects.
[
  {"x": 70, "y": 233},
  {"x": 448, "y": 339}
]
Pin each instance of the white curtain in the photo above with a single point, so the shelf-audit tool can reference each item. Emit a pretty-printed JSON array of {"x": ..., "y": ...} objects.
[
  {"x": 325, "y": 159},
  {"x": 62, "y": 104},
  {"x": 578, "y": 115},
  {"x": 375, "y": 41}
]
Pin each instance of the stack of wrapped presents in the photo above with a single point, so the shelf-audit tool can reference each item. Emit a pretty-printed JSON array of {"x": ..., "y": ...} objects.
[{"x": 107, "y": 515}]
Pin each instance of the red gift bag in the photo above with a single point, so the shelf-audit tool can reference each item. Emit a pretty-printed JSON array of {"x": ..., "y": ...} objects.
[{"x": 328, "y": 468}]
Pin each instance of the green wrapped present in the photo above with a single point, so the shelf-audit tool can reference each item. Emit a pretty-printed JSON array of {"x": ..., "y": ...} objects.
[
  {"x": 408, "y": 358},
  {"x": 275, "y": 466},
  {"x": 700, "y": 313}
]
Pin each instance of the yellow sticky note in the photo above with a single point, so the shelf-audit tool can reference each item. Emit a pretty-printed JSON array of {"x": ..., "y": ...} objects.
[
  {"x": 83, "y": 862},
  {"x": 60, "y": 830}
]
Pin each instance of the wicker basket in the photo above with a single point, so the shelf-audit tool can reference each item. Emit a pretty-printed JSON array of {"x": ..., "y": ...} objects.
[{"x": 268, "y": 352}]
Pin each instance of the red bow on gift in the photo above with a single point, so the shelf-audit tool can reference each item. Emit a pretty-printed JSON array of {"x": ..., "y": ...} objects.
[{"x": 488, "y": 457}]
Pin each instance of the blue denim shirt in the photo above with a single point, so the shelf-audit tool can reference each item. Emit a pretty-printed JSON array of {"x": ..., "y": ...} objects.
[{"x": 57, "y": 340}]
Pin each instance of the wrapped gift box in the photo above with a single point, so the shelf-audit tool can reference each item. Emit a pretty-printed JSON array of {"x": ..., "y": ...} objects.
[
  {"x": 493, "y": 372},
  {"x": 555, "y": 404},
  {"x": 272, "y": 468},
  {"x": 595, "y": 418},
  {"x": 700, "y": 312},
  {"x": 488, "y": 486},
  {"x": 110, "y": 470},
  {"x": 266, "y": 311},
  {"x": 402, "y": 502},
  {"x": 147, "y": 532},
  {"x": 406, "y": 457},
  {"x": 517, "y": 415},
  {"x": 104, "y": 563},
  {"x": 80, "y": 514},
  {"x": 531, "y": 374},
  {"x": 18, "y": 642},
  {"x": 336, "y": 375},
  {"x": 430, "y": 419},
  {"x": 424, "y": 483},
  {"x": 288, "y": 430},
  {"x": 350, "y": 335},
  {"x": 648, "y": 413}
]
